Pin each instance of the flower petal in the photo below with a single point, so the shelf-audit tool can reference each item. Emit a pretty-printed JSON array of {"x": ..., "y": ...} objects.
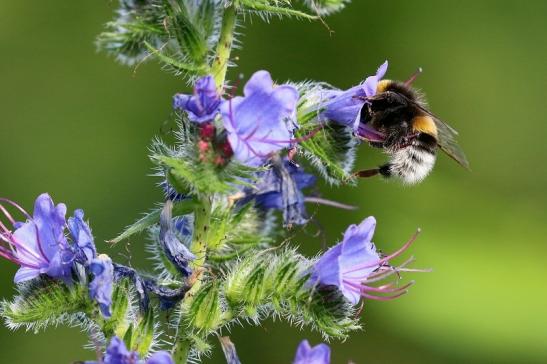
[
  {"x": 305, "y": 354},
  {"x": 161, "y": 357},
  {"x": 81, "y": 235},
  {"x": 50, "y": 221},
  {"x": 25, "y": 274},
  {"x": 259, "y": 124}
]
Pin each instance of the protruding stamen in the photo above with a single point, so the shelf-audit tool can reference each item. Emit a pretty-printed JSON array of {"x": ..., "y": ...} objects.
[
  {"x": 387, "y": 258},
  {"x": 17, "y": 207},
  {"x": 382, "y": 298},
  {"x": 7, "y": 214},
  {"x": 326, "y": 202},
  {"x": 388, "y": 288}
]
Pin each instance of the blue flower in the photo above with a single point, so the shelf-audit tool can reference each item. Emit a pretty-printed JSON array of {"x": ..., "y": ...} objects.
[
  {"x": 173, "y": 248},
  {"x": 343, "y": 107},
  {"x": 82, "y": 237},
  {"x": 39, "y": 245},
  {"x": 305, "y": 354},
  {"x": 354, "y": 263},
  {"x": 161, "y": 357},
  {"x": 100, "y": 288},
  {"x": 280, "y": 188},
  {"x": 203, "y": 105},
  {"x": 117, "y": 353},
  {"x": 262, "y": 122}
]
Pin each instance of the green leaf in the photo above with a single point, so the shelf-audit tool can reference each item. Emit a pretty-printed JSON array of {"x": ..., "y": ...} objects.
[
  {"x": 180, "y": 34},
  {"x": 153, "y": 217},
  {"x": 331, "y": 152},
  {"x": 325, "y": 7},
  {"x": 178, "y": 66},
  {"x": 267, "y": 8},
  {"x": 43, "y": 302}
]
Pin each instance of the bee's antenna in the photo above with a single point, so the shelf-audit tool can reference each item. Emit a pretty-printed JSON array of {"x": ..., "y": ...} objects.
[{"x": 413, "y": 77}]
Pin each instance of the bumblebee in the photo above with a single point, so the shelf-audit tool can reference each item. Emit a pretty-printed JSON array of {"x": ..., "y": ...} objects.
[{"x": 397, "y": 120}]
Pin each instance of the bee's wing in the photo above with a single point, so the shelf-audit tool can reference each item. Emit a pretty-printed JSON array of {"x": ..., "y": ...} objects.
[
  {"x": 447, "y": 139},
  {"x": 447, "y": 143}
]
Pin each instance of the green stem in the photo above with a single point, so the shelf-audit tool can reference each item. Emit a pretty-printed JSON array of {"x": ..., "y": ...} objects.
[
  {"x": 224, "y": 47},
  {"x": 202, "y": 219}
]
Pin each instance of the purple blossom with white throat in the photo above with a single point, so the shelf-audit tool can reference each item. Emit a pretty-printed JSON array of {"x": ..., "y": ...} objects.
[
  {"x": 305, "y": 354},
  {"x": 204, "y": 104},
  {"x": 38, "y": 245},
  {"x": 354, "y": 264},
  {"x": 343, "y": 107},
  {"x": 262, "y": 121}
]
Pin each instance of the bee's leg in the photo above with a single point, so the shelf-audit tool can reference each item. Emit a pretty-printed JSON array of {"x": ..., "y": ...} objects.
[
  {"x": 384, "y": 170},
  {"x": 367, "y": 173}
]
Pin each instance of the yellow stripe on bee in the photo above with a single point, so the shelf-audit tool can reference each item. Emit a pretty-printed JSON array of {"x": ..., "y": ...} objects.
[
  {"x": 424, "y": 124},
  {"x": 382, "y": 85}
]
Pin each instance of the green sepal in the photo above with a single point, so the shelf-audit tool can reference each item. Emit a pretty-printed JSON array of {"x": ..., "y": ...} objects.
[
  {"x": 118, "y": 322},
  {"x": 204, "y": 312},
  {"x": 331, "y": 149},
  {"x": 144, "y": 332}
]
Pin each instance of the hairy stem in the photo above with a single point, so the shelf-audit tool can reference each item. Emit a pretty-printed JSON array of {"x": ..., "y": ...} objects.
[
  {"x": 224, "y": 47},
  {"x": 202, "y": 218}
]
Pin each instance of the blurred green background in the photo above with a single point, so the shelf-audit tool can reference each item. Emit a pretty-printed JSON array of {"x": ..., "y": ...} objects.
[{"x": 76, "y": 124}]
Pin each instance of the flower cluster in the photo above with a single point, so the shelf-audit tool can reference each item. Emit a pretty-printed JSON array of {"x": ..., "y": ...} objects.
[
  {"x": 258, "y": 124},
  {"x": 236, "y": 163},
  {"x": 39, "y": 246}
]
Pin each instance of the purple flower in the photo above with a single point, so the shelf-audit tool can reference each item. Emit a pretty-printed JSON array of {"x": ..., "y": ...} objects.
[
  {"x": 343, "y": 107},
  {"x": 100, "y": 288},
  {"x": 281, "y": 188},
  {"x": 203, "y": 105},
  {"x": 82, "y": 237},
  {"x": 177, "y": 253},
  {"x": 305, "y": 354},
  {"x": 117, "y": 353},
  {"x": 39, "y": 245},
  {"x": 261, "y": 122},
  {"x": 354, "y": 263},
  {"x": 161, "y": 357}
]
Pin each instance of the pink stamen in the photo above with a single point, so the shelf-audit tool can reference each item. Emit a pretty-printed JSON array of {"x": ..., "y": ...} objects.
[
  {"x": 7, "y": 214},
  {"x": 17, "y": 207},
  {"x": 296, "y": 140},
  {"x": 382, "y": 298},
  {"x": 388, "y": 288},
  {"x": 387, "y": 258}
]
